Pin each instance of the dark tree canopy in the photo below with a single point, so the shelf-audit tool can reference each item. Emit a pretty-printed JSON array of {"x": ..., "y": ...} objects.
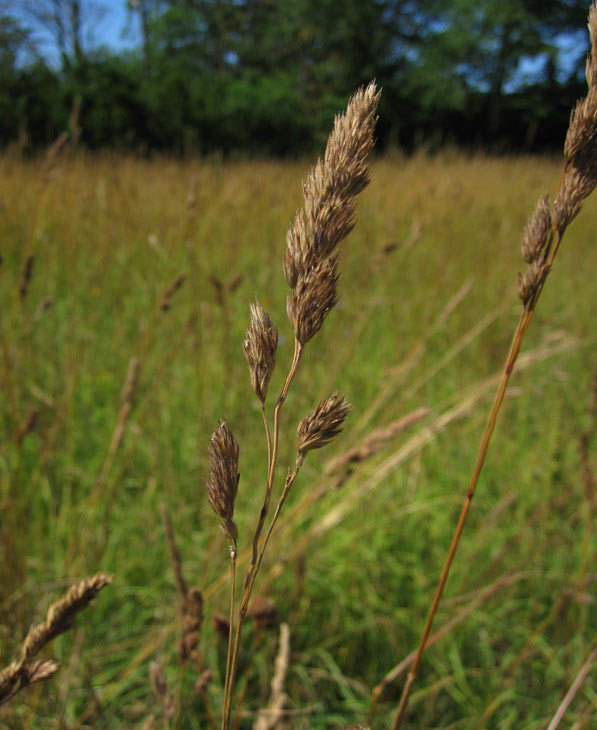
[{"x": 266, "y": 76}]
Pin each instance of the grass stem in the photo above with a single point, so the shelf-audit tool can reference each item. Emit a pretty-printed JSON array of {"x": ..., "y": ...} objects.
[
  {"x": 256, "y": 558},
  {"x": 521, "y": 329}
]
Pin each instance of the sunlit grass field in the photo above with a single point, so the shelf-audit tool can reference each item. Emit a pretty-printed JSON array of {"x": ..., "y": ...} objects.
[{"x": 90, "y": 247}]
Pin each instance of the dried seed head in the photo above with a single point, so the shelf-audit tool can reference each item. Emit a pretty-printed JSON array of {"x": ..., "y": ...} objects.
[
  {"x": 580, "y": 179},
  {"x": 314, "y": 296},
  {"x": 532, "y": 280},
  {"x": 325, "y": 422},
  {"x": 61, "y": 615},
  {"x": 39, "y": 671},
  {"x": 536, "y": 234},
  {"x": 330, "y": 191},
  {"x": 260, "y": 344},
  {"x": 583, "y": 119},
  {"x": 222, "y": 482}
]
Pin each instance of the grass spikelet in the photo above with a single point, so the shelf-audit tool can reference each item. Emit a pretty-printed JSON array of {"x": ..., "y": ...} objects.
[
  {"x": 332, "y": 187},
  {"x": 330, "y": 193},
  {"x": 259, "y": 346},
  {"x": 536, "y": 234},
  {"x": 222, "y": 482},
  {"x": 60, "y": 618},
  {"x": 323, "y": 424}
]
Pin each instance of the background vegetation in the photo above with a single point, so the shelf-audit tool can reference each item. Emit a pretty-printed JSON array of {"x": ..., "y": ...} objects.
[
  {"x": 90, "y": 246},
  {"x": 266, "y": 76}
]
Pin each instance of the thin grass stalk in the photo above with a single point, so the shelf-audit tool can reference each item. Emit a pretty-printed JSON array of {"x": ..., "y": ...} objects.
[
  {"x": 256, "y": 557},
  {"x": 289, "y": 482},
  {"x": 484, "y": 445},
  {"x": 227, "y": 693},
  {"x": 575, "y": 686},
  {"x": 541, "y": 241}
]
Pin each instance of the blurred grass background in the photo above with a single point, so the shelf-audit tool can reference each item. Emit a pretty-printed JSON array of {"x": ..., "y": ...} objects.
[{"x": 428, "y": 305}]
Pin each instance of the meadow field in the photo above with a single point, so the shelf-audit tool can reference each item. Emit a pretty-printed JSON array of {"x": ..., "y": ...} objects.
[{"x": 125, "y": 286}]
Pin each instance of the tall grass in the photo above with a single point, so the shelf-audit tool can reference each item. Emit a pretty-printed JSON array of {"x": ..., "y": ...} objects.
[{"x": 83, "y": 481}]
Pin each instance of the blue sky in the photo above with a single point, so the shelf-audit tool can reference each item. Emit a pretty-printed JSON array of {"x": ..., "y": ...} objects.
[
  {"x": 118, "y": 29},
  {"x": 117, "y": 21}
]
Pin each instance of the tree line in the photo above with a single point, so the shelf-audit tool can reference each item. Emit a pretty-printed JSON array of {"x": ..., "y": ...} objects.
[{"x": 266, "y": 76}]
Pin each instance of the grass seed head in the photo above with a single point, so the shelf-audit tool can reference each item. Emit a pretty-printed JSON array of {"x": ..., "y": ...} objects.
[
  {"x": 532, "y": 280},
  {"x": 325, "y": 422},
  {"x": 327, "y": 217},
  {"x": 222, "y": 482},
  {"x": 62, "y": 614},
  {"x": 536, "y": 234},
  {"x": 579, "y": 181},
  {"x": 583, "y": 119},
  {"x": 314, "y": 296},
  {"x": 580, "y": 148},
  {"x": 260, "y": 345}
]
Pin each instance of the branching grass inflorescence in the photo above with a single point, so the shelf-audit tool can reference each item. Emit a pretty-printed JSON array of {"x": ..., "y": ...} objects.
[{"x": 311, "y": 270}]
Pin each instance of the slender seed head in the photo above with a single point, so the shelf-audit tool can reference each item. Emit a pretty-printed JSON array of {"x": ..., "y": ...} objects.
[
  {"x": 578, "y": 183},
  {"x": 62, "y": 614},
  {"x": 322, "y": 424},
  {"x": 536, "y": 234},
  {"x": 222, "y": 482},
  {"x": 532, "y": 280},
  {"x": 583, "y": 119},
  {"x": 327, "y": 217},
  {"x": 314, "y": 296},
  {"x": 260, "y": 344}
]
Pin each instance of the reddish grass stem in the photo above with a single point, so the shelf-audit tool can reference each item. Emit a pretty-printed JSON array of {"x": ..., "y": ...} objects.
[{"x": 521, "y": 329}]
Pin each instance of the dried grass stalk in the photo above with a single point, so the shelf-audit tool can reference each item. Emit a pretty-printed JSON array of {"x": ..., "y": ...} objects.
[
  {"x": 26, "y": 275},
  {"x": 190, "y": 602},
  {"x": 579, "y": 179},
  {"x": 166, "y": 302},
  {"x": 60, "y": 618},
  {"x": 574, "y": 687},
  {"x": 372, "y": 444},
  {"x": 268, "y": 719},
  {"x": 126, "y": 400},
  {"x": 311, "y": 270}
]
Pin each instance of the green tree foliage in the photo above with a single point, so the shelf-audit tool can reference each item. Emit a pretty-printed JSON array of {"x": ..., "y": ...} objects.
[{"x": 265, "y": 76}]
